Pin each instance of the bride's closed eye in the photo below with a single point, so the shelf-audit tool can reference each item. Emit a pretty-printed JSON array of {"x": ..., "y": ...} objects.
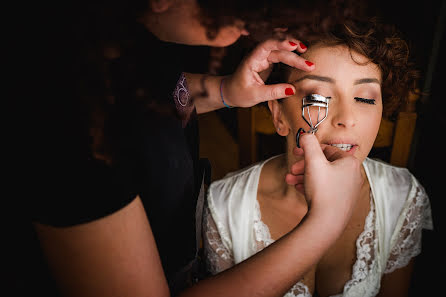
[{"x": 365, "y": 100}]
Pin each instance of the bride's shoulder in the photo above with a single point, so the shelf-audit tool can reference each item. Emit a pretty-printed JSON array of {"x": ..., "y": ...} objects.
[{"x": 236, "y": 186}]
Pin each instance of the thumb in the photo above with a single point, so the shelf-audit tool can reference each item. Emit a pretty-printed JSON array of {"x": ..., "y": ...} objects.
[
  {"x": 312, "y": 149},
  {"x": 276, "y": 91}
]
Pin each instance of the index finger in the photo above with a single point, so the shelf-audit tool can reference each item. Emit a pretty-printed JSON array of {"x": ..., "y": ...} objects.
[
  {"x": 291, "y": 59},
  {"x": 263, "y": 50}
]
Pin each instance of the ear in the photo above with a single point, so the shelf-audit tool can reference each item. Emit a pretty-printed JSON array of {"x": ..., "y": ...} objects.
[
  {"x": 279, "y": 122},
  {"x": 160, "y": 6}
]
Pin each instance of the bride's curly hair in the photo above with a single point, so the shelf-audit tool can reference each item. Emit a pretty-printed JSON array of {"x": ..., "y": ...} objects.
[{"x": 382, "y": 44}]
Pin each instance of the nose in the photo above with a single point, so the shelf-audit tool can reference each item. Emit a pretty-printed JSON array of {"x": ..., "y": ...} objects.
[{"x": 342, "y": 115}]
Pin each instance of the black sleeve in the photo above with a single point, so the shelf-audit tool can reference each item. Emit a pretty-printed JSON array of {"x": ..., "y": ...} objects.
[
  {"x": 74, "y": 193},
  {"x": 67, "y": 186}
]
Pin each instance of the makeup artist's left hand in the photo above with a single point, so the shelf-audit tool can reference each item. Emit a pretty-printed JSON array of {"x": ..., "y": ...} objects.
[{"x": 246, "y": 87}]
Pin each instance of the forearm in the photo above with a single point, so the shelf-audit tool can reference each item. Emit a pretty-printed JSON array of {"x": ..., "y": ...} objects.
[
  {"x": 109, "y": 257},
  {"x": 274, "y": 270},
  {"x": 204, "y": 91}
]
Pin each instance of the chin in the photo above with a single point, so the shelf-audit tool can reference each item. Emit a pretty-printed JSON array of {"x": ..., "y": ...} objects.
[
  {"x": 223, "y": 40},
  {"x": 223, "y": 43}
]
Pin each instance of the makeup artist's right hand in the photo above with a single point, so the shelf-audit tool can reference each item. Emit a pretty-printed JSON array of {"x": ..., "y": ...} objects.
[{"x": 330, "y": 178}]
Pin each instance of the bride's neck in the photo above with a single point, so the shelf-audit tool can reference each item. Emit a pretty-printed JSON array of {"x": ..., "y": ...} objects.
[{"x": 273, "y": 179}]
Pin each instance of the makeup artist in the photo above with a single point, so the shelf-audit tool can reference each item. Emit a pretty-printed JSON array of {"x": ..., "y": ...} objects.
[{"x": 116, "y": 209}]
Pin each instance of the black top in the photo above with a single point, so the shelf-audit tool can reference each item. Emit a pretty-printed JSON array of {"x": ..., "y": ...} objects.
[{"x": 158, "y": 160}]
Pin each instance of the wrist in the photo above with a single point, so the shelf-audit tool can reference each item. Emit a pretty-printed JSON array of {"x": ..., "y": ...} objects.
[
  {"x": 327, "y": 225},
  {"x": 205, "y": 91},
  {"x": 313, "y": 237},
  {"x": 223, "y": 92}
]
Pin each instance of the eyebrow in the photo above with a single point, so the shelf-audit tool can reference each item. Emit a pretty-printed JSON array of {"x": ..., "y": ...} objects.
[
  {"x": 367, "y": 81},
  {"x": 316, "y": 77},
  {"x": 331, "y": 80}
]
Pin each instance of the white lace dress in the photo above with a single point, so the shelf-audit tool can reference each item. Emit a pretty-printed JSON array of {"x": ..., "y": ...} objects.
[{"x": 399, "y": 210}]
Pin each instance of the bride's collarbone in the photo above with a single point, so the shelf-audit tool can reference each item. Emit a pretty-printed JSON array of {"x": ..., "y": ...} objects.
[{"x": 281, "y": 215}]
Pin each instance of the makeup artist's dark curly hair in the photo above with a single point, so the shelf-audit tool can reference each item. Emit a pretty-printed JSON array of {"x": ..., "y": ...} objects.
[
  {"x": 101, "y": 30},
  {"x": 262, "y": 16},
  {"x": 383, "y": 45}
]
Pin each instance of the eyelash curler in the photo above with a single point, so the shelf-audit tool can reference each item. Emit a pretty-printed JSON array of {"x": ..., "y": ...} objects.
[{"x": 312, "y": 101}]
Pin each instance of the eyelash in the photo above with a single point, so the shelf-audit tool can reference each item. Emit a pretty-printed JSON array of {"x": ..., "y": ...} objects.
[
  {"x": 364, "y": 100},
  {"x": 359, "y": 99}
]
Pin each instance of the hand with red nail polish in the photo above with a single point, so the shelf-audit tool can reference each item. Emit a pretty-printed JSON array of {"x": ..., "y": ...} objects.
[
  {"x": 328, "y": 177},
  {"x": 309, "y": 63},
  {"x": 246, "y": 87}
]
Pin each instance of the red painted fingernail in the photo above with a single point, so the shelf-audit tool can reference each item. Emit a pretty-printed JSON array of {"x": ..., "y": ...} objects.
[
  {"x": 302, "y": 46},
  {"x": 289, "y": 91},
  {"x": 302, "y": 131},
  {"x": 292, "y": 43},
  {"x": 309, "y": 63}
]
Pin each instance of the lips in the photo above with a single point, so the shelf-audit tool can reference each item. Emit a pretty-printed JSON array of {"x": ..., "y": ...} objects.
[{"x": 343, "y": 146}]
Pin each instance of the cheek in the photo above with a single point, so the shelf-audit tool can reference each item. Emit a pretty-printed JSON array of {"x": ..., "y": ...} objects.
[
  {"x": 292, "y": 114},
  {"x": 370, "y": 128},
  {"x": 376, "y": 121},
  {"x": 373, "y": 129},
  {"x": 296, "y": 123},
  {"x": 226, "y": 36}
]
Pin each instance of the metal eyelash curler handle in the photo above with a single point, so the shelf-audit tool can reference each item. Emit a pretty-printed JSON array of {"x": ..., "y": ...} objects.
[{"x": 313, "y": 100}]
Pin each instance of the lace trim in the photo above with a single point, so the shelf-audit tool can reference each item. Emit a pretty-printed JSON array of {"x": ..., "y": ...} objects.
[
  {"x": 218, "y": 257},
  {"x": 298, "y": 290},
  {"x": 261, "y": 230},
  {"x": 263, "y": 239},
  {"x": 408, "y": 243},
  {"x": 366, "y": 245}
]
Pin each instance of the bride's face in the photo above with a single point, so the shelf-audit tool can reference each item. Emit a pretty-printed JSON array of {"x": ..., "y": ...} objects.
[{"x": 355, "y": 107}]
